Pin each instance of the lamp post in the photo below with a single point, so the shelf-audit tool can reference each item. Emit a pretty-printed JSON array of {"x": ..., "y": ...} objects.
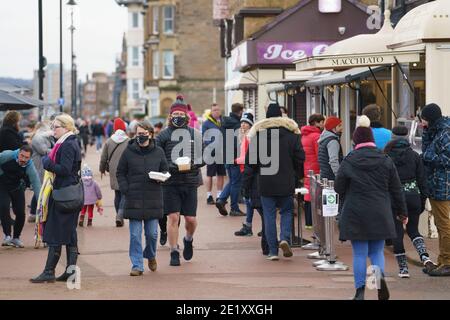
[
  {"x": 41, "y": 55},
  {"x": 73, "y": 82},
  {"x": 61, "y": 91}
]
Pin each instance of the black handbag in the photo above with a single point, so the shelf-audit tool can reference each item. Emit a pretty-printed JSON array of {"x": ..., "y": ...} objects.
[{"x": 69, "y": 199}]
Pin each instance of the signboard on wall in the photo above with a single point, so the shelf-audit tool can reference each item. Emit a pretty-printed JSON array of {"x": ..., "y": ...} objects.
[{"x": 288, "y": 52}]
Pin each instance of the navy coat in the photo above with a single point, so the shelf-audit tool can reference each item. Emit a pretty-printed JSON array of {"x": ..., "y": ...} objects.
[{"x": 61, "y": 228}]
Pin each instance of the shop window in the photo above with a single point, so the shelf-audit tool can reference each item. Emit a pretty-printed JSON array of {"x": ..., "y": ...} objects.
[{"x": 169, "y": 19}]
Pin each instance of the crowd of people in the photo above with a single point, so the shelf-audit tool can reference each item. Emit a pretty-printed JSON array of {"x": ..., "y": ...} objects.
[{"x": 383, "y": 182}]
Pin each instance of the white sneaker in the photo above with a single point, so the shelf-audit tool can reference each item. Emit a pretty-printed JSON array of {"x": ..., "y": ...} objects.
[
  {"x": 7, "y": 241},
  {"x": 287, "y": 251},
  {"x": 17, "y": 243},
  {"x": 272, "y": 258}
]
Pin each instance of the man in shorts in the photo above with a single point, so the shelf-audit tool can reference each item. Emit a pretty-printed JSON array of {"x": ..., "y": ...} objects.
[
  {"x": 212, "y": 123},
  {"x": 180, "y": 190}
]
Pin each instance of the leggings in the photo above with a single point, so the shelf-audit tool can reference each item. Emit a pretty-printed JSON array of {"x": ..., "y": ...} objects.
[
  {"x": 374, "y": 249},
  {"x": 17, "y": 198},
  {"x": 89, "y": 209},
  {"x": 412, "y": 229}
]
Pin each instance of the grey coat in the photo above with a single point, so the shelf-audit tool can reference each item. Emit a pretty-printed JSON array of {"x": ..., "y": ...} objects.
[
  {"x": 41, "y": 145},
  {"x": 108, "y": 149}
]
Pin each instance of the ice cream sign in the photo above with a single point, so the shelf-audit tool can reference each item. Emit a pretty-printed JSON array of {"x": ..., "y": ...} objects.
[{"x": 288, "y": 52}]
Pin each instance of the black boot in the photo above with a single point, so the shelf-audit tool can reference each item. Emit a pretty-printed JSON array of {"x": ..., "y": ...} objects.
[
  {"x": 72, "y": 256},
  {"x": 359, "y": 295},
  {"x": 54, "y": 253},
  {"x": 383, "y": 292}
]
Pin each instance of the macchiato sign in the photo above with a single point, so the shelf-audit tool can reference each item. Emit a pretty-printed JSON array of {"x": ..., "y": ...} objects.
[
  {"x": 288, "y": 52},
  {"x": 359, "y": 61}
]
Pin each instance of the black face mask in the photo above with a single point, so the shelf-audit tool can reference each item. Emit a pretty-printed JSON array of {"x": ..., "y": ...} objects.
[
  {"x": 142, "y": 139},
  {"x": 179, "y": 121}
]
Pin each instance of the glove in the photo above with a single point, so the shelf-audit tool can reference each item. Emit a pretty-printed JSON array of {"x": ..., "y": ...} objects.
[{"x": 47, "y": 163}]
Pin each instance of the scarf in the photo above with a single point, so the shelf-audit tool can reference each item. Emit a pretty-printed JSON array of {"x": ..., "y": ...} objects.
[
  {"x": 365, "y": 144},
  {"x": 213, "y": 120},
  {"x": 45, "y": 193}
]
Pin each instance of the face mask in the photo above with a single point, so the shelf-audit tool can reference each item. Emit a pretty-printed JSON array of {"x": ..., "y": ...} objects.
[
  {"x": 179, "y": 121},
  {"x": 142, "y": 139}
]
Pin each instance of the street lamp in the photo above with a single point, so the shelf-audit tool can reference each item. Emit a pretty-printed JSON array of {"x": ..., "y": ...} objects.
[{"x": 73, "y": 83}]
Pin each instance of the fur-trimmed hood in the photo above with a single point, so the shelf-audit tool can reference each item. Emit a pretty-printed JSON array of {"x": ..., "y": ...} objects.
[{"x": 279, "y": 122}]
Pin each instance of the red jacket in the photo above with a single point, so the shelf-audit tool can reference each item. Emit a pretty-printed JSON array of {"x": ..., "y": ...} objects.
[
  {"x": 244, "y": 147},
  {"x": 310, "y": 137}
]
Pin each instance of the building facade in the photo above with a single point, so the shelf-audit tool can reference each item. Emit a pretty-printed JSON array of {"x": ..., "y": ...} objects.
[
  {"x": 180, "y": 49},
  {"x": 98, "y": 95},
  {"x": 135, "y": 60},
  {"x": 52, "y": 87}
]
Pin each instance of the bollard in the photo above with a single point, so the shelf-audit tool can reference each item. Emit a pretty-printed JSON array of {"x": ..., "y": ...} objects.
[
  {"x": 331, "y": 263},
  {"x": 316, "y": 206},
  {"x": 314, "y": 245},
  {"x": 296, "y": 233}
]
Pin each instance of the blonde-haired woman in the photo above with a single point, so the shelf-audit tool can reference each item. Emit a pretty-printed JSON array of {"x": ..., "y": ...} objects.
[{"x": 64, "y": 162}]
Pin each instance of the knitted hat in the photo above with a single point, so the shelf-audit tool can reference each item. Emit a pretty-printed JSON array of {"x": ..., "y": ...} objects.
[
  {"x": 332, "y": 122},
  {"x": 119, "y": 124},
  {"x": 373, "y": 112},
  {"x": 273, "y": 111},
  {"x": 399, "y": 131},
  {"x": 363, "y": 132},
  {"x": 86, "y": 171},
  {"x": 247, "y": 117},
  {"x": 431, "y": 113},
  {"x": 179, "y": 105}
]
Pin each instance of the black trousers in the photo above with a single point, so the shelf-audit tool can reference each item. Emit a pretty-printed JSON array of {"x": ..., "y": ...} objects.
[
  {"x": 117, "y": 198},
  {"x": 412, "y": 229},
  {"x": 17, "y": 199}
]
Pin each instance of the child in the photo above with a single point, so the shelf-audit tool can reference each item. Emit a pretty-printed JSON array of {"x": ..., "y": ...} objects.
[{"x": 92, "y": 195}]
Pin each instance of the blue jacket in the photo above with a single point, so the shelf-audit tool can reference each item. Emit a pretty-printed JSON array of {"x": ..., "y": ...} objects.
[
  {"x": 207, "y": 125},
  {"x": 436, "y": 157},
  {"x": 31, "y": 172},
  {"x": 382, "y": 135}
]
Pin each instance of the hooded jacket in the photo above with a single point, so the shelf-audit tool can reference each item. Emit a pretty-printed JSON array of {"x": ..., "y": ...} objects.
[
  {"x": 143, "y": 196},
  {"x": 118, "y": 142},
  {"x": 329, "y": 154},
  {"x": 92, "y": 192},
  {"x": 310, "y": 138},
  {"x": 231, "y": 123},
  {"x": 279, "y": 175},
  {"x": 436, "y": 158},
  {"x": 41, "y": 144},
  {"x": 367, "y": 180},
  {"x": 411, "y": 172}
]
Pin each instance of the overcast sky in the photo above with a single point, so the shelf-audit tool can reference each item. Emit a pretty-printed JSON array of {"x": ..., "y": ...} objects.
[{"x": 98, "y": 39}]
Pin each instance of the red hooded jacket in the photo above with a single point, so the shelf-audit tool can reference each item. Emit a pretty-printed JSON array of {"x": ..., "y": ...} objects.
[{"x": 310, "y": 137}]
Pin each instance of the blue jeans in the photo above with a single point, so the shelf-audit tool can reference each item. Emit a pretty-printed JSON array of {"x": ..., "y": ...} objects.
[
  {"x": 99, "y": 142},
  {"x": 374, "y": 249},
  {"x": 249, "y": 212},
  {"x": 270, "y": 205},
  {"x": 151, "y": 236},
  {"x": 233, "y": 187}
]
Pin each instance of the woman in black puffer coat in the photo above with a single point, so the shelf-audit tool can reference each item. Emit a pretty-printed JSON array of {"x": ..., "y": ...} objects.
[
  {"x": 143, "y": 196},
  {"x": 412, "y": 176}
]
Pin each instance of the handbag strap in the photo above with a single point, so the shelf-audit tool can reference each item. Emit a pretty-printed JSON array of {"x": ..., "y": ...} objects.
[{"x": 112, "y": 153}]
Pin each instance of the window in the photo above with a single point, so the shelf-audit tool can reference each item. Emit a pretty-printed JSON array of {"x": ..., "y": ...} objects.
[
  {"x": 135, "y": 56},
  {"x": 135, "y": 89},
  {"x": 169, "y": 66},
  {"x": 155, "y": 20},
  {"x": 154, "y": 107},
  {"x": 169, "y": 19},
  {"x": 155, "y": 59},
  {"x": 135, "y": 20}
]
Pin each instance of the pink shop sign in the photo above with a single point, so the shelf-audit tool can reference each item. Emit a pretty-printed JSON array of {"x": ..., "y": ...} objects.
[{"x": 288, "y": 52}]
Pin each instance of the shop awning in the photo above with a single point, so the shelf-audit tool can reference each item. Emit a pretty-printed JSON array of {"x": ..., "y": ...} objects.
[
  {"x": 361, "y": 51},
  {"x": 15, "y": 101},
  {"x": 246, "y": 80},
  {"x": 343, "y": 77}
]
